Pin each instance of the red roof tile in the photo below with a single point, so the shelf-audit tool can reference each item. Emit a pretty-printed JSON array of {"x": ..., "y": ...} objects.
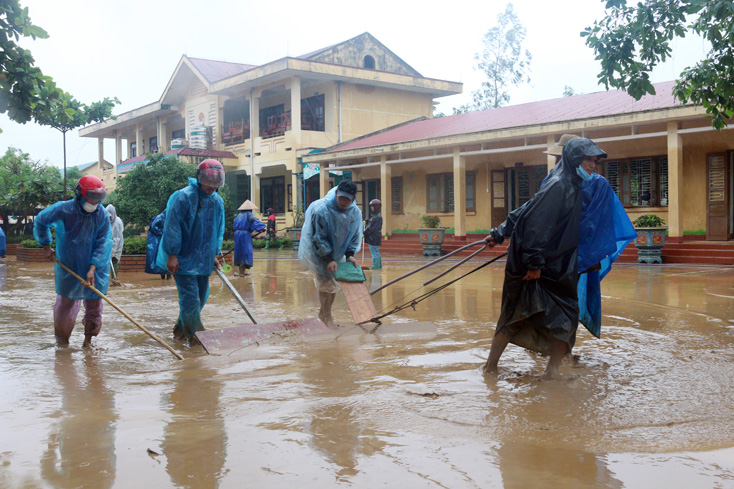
[{"x": 599, "y": 104}]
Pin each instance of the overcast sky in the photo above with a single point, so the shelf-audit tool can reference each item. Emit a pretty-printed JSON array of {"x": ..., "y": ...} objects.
[{"x": 129, "y": 49}]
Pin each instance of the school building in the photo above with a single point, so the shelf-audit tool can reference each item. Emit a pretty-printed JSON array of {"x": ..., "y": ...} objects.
[
  {"x": 259, "y": 121},
  {"x": 472, "y": 169}
]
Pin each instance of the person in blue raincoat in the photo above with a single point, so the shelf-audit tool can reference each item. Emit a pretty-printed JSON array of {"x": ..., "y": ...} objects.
[
  {"x": 192, "y": 239},
  {"x": 540, "y": 308},
  {"x": 83, "y": 244},
  {"x": 244, "y": 224},
  {"x": 332, "y": 232},
  {"x": 2, "y": 243},
  {"x": 155, "y": 231}
]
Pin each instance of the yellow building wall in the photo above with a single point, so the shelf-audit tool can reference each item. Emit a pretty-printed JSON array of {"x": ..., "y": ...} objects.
[{"x": 366, "y": 109}]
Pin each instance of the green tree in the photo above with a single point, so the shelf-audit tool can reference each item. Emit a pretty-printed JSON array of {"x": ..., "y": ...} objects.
[
  {"x": 26, "y": 185},
  {"x": 68, "y": 113},
  {"x": 25, "y": 92},
  {"x": 568, "y": 91},
  {"x": 631, "y": 40},
  {"x": 503, "y": 61},
  {"x": 144, "y": 191}
]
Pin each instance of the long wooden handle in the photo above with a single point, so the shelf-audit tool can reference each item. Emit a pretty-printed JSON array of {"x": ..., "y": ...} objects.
[{"x": 93, "y": 289}]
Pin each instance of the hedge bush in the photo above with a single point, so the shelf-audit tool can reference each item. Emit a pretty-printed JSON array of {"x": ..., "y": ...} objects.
[
  {"x": 227, "y": 244},
  {"x": 134, "y": 246},
  {"x": 31, "y": 243}
]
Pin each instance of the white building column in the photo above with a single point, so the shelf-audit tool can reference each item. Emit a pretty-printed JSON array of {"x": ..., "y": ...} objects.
[
  {"x": 138, "y": 141},
  {"x": 100, "y": 157},
  {"x": 323, "y": 179},
  {"x": 675, "y": 180},
  {"x": 550, "y": 159},
  {"x": 296, "y": 109},
  {"x": 162, "y": 135},
  {"x": 459, "y": 194},
  {"x": 386, "y": 194}
]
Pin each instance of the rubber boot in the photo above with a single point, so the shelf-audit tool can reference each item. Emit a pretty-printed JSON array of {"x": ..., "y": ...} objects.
[
  {"x": 280, "y": 244},
  {"x": 267, "y": 244}
]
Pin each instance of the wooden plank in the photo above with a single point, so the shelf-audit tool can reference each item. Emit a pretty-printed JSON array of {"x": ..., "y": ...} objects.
[
  {"x": 214, "y": 340},
  {"x": 359, "y": 301}
]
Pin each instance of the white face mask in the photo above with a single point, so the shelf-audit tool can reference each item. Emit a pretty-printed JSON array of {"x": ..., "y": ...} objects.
[
  {"x": 89, "y": 207},
  {"x": 582, "y": 173}
]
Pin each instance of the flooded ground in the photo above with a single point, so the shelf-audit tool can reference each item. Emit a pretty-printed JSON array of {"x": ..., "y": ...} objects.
[{"x": 651, "y": 404}]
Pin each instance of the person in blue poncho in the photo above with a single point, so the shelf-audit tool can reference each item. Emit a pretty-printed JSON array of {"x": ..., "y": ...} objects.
[
  {"x": 332, "y": 232},
  {"x": 191, "y": 240},
  {"x": 244, "y": 224},
  {"x": 84, "y": 244},
  {"x": 155, "y": 231},
  {"x": 2, "y": 243},
  {"x": 540, "y": 308}
]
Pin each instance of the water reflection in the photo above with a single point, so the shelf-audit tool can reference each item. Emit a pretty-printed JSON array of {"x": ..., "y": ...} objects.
[
  {"x": 195, "y": 442},
  {"x": 337, "y": 431},
  {"x": 81, "y": 447}
]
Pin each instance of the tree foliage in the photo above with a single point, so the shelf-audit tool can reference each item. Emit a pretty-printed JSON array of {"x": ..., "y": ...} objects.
[
  {"x": 25, "y": 92},
  {"x": 144, "y": 191},
  {"x": 26, "y": 185},
  {"x": 631, "y": 40},
  {"x": 503, "y": 61}
]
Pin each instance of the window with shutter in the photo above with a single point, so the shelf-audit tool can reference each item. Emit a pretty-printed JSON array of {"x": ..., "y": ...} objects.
[{"x": 397, "y": 195}]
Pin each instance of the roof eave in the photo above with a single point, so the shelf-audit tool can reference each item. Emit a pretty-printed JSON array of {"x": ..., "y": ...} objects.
[{"x": 535, "y": 130}]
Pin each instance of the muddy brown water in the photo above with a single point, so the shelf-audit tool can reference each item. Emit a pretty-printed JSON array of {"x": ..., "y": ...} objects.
[{"x": 651, "y": 404}]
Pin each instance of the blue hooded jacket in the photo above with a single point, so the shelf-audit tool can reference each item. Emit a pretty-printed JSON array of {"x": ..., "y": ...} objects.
[
  {"x": 81, "y": 240},
  {"x": 193, "y": 230},
  {"x": 329, "y": 233}
]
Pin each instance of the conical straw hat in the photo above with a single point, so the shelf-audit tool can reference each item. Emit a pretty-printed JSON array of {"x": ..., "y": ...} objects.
[{"x": 247, "y": 206}]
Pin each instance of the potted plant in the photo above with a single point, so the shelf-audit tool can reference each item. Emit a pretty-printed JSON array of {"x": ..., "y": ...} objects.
[
  {"x": 431, "y": 235},
  {"x": 651, "y": 230},
  {"x": 294, "y": 232}
]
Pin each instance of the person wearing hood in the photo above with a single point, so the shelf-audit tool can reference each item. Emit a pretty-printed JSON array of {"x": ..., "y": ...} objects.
[
  {"x": 540, "y": 309},
  {"x": 153, "y": 241},
  {"x": 373, "y": 233},
  {"x": 2, "y": 243},
  {"x": 332, "y": 233},
  {"x": 191, "y": 241},
  {"x": 244, "y": 224},
  {"x": 84, "y": 245},
  {"x": 605, "y": 230},
  {"x": 117, "y": 239}
]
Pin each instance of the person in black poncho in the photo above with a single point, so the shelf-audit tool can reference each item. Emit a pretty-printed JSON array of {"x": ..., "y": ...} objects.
[{"x": 539, "y": 300}]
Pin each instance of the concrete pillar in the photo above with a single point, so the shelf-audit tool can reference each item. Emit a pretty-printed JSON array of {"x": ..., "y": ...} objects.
[
  {"x": 459, "y": 194},
  {"x": 551, "y": 160},
  {"x": 386, "y": 194},
  {"x": 100, "y": 157},
  {"x": 294, "y": 195},
  {"x": 675, "y": 180},
  {"x": 256, "y": 194},
  {"x": 138, "y": 141},
  {"x": 255, "y": 118},
  {"x": 296, "y": 109},
  {"x": 323, "y": 180},
  {"x": 162, "y": 136},
  {"x": 118, "y": 152}
]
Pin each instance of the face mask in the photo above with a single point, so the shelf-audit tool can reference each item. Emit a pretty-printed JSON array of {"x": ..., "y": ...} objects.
[
  {"x": 582, "y": 173},
  {"x": 89, "y": 207}
]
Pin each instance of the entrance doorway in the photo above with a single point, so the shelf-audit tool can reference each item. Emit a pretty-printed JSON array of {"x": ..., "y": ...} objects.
[
  {"x": 524, "y": 182},
  {"x": 718, "y": 196}
]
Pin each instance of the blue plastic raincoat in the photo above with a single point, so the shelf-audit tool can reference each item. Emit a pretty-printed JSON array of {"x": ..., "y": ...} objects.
[
  {"x": 155, "y": 231},
  {"x": 193, "y": 230},
  {"x": 605, "y": 231},
  {"x": 329, "y": 233},
  {"x": 2, "y": 242},
  {"x": 244, "y": 224},
  {"x": 81, "y": 240}
]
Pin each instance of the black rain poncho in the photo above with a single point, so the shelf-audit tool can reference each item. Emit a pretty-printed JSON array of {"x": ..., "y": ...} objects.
[{"x": 545, "y": 237}]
